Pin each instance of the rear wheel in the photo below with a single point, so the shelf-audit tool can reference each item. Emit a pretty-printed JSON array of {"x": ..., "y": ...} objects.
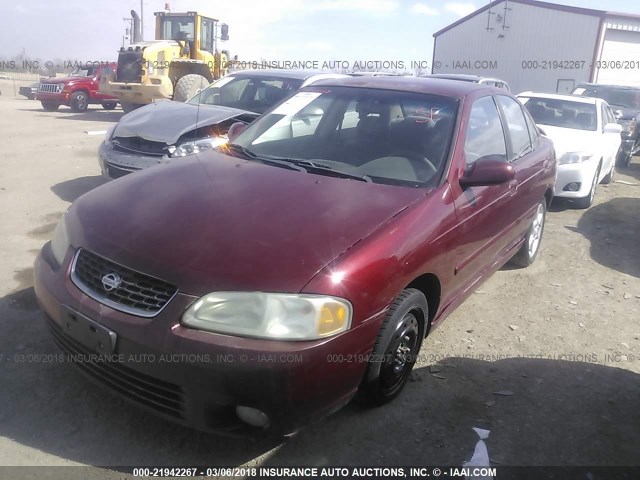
[
  {"x": 188, "y": 86},
  {"x": 109, "y": 105},
  {"x": 130, "y": 107},
  {"x": 79, "y": 101},
  {"x": 529, "y": 249},
  {"x": 396, "y": 348},
  {"x": 50, "y": 106}
]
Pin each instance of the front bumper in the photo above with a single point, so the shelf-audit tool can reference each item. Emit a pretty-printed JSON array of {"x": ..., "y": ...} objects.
[
  {"x": 581, "y": 173},
  {"x": 198, "y": 378},
  {"x": 114, "y": 164},
  {"x": 60, "y": 97}
]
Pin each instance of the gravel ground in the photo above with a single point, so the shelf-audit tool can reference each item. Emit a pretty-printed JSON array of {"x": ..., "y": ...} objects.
[{"x": 559, "y": 342}]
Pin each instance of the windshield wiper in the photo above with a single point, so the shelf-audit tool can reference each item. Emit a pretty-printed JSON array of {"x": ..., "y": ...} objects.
[
  {"x": 249, "y": 155},
  {"x": 322, "y": 168}
]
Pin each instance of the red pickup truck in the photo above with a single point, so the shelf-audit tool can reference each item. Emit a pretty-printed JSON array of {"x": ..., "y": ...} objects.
[{"x": 77, "y": 91}]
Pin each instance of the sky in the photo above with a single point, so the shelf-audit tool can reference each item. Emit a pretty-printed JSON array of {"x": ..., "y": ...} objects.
[{"x": 272, "y": 30}]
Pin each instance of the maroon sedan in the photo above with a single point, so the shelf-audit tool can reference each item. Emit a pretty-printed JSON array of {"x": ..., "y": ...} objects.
[{"x": 257, "y": 286}]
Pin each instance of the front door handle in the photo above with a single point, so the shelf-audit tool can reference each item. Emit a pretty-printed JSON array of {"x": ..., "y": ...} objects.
[{"x": 513, "y": 186}]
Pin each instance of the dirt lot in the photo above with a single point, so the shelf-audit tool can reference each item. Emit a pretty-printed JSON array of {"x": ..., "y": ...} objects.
[{"x": 563, "y": 337}]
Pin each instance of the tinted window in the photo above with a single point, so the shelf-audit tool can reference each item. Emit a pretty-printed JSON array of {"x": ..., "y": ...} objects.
[
  {"x": 516, "y": 125},
  {"x": 561, "y": 113},
  {"x": 484, "y": 132},
  {"x": 533, "y": 130}
]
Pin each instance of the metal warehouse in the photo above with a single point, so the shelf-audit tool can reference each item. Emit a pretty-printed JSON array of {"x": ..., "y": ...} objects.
[{"x": 541, "y": 46}]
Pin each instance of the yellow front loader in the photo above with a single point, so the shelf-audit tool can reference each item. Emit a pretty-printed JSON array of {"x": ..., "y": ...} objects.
[{"x": 182, "y": 60}]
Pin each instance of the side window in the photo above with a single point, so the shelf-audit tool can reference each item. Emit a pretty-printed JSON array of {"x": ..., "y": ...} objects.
[
  {"x": 533, "y": 130},
  {"x": 485, "y": 135},
  {"x": 611, "y": 118},
  {"x": 516, "y": 127},
  {"x": 206, "y": 35}
]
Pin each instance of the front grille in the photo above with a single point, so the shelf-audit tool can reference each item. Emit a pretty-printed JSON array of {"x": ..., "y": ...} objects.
[
  {"x": 139, "y": 145},
  {"x": 129, "y": 66},
  {"x": 135, "y": 293},
  {"x": 145, "y": 390},
  {"x": 115, "y": 171},
  {"x": 50, "y": 87}
]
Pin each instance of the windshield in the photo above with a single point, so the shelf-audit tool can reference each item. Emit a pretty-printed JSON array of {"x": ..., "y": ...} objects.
[
  {"x": 619, "y": 97},
  {"x": 246, "y": 92},
  {"x": 382, "y": 136},
  {"x": 561, "y": 113}
]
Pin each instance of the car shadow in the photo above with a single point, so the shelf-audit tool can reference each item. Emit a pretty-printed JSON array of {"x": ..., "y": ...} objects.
[
  {"x": 617, "y": 248},
  {"x": 70, "y": 190},
  {"x": 550, "y": 412}
]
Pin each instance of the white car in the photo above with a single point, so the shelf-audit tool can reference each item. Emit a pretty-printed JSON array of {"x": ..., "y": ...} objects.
[{"x": 586, "y": 139}]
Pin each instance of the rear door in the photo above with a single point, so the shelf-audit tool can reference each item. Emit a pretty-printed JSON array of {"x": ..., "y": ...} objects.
[{"x": 529, "y": 164}]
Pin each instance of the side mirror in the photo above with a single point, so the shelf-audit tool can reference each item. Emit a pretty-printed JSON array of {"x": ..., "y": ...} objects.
[
  {"x": 235, "y": 130},
  {"x": 489, "y": 170},
  {"x": 612, "y": 128}
]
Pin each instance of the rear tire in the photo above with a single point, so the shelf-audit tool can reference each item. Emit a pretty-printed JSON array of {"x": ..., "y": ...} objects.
[
  {"x": 396, "y": 348},
  {"x": 109, "y": 105},
  {"x": 50, "y": 106},
  {"x": 188, "y": 86},
  {"x": 531, "y": 246},
  {"x": 130, "y": 107}
]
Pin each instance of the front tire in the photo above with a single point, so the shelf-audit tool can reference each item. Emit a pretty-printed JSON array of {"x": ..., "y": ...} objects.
[
  {"x": 396, "y": 349},
  {"x": 609, "y": 176},
  {"x": 623, "y": 159},
  {"x": 50, "y": 106},
  {"x": 586, "y": 202},
  {"x": 79, "y": 101},
  {"x": 188, "y": 86},
  {"x": 531, "y": 246}
]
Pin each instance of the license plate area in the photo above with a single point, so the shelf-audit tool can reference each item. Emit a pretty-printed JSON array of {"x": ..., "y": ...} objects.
[{"x": 91, "y": 334}]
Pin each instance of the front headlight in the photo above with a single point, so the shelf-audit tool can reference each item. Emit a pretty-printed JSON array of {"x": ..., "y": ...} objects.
[
  {"x": 574, "y": 157},
  {"x": 190, "y": 148},
  {"x": 273, "y": 316},
  {"x": 60, "y": 241}
]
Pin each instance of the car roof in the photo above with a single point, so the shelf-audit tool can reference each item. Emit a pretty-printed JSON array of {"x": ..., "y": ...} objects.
[
  {"x": 462, "y": 76},
  {"x": 282, "y": 73},
  {"x": 435, "y": 86},
  {"x": 558, "y": 96},
  {"x": 607, "y": 85}
]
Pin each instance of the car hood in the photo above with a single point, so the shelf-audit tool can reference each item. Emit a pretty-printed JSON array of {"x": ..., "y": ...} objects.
[
  {"x": 571, "y": 139},
  {"x": 221, "y": 223},
  {"x": 65, "y": 80},
  {"x": 167, "y": 121}
]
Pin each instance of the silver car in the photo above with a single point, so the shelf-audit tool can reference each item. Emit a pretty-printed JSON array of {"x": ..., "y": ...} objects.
[{"x": 164, "y": 130}]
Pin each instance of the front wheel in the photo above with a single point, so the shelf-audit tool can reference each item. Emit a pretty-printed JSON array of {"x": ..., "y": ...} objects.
[
  {"x": 623, "y": 159},
  {"x": 188, "y": 86},
  {"x": 531, "y": 246},
  {"x": 586, "y": 202},
  {"x": 79, "y": 102},
  {"x": 50, "y": 106},
  {"x": 396, "y": 349}
]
